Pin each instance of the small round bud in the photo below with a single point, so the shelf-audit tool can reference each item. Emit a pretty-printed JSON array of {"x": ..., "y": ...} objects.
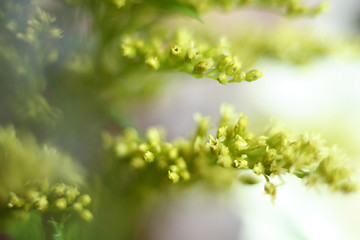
[
  {"x": 86, "y": 215},
  {"x": 185, "y": 175},
  {"x": 222, "y": 78},
  {"x": 202, "y": 66},
  {"x": 173, "y": 168},
  {"x": 173, "y": 176},
  {"x": 137, "y": 162},
  {"x": 61, "y": 204},
  {"x": 77, "y": 207},
  {"x": 121, "y": 149},
  {"x": 42, "y": 204},
  {"x": 119, "y": 3},
  {"x": 128, "y": 51},
  {"x": 239, "y": 76},
  {"x": 153, "y": 62},
  {"x": 143, "y": 147},
  {"x": 253, "y": 75},
  {"x": 85, "y": 200},
  {"x": 149, "y": 157}
]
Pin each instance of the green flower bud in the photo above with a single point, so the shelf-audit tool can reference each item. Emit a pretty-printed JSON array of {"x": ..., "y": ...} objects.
[
  {"x": 222, "y": 78},
  {"x": 239, "y": 143},
  {"x": 173, "y": 153},
  {"x": 15, "y": 201},
  {"x": 119, "y": 3},
  {"x": 149, "y": 157},
  {"x": 203, "y": 66},
  {"x": 59, "y": 189},
  {"x": 241, "y": 162},
  {"x": 86, "y": 215},
  {"x": 154, "y": 136},
  {"x": 259, "y": 168},
  {"x": 239, "y": 76},
  {"x": 191, "y": 54},
  {"x": 85, "y": 200},
  {"x": 42, "y": 204},
  {"x": 78, "y": 207},
  {"x": 137, "y": 162},
  {"x": 61, "y": 204},
  {"x": 185, "y": 175},
  {"x": 175, "y": 51},
  {"x": 128, "y": 51},
  {"x": 173, "y": 176},
  {"x": 233, "y": 68},
  {"x": 71, "y": 194},
  {"x": 224, "y": 161},
  {"x": 153, "y": 62},
  {"x": 271, "y": 155},
  {"x": 173, "y": 168},
  {"x": 253, "y": 75},
  {"x": 241, "y": 125},
  {"x": 121, "y": 149},
  {"x": 143, "y": 147}
]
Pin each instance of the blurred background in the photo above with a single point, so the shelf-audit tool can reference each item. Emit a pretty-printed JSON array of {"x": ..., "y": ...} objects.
[{"x": 323, "y": 96}]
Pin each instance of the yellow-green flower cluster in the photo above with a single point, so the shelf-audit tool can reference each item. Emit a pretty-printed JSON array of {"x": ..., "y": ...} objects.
[
  {"x": 290, "y": 7},
  {"x": 234, "y": 149},
  {"x": 23, "y": 160},
  {"x": 183, "y": 53},
  {"x": 57, "y": 198}
]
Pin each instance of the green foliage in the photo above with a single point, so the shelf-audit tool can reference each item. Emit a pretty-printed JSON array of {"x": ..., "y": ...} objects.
[{"x": 31, "y": 228}]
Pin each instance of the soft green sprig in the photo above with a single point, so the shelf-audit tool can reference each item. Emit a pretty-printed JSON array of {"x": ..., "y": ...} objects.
[
  {"x": 183, "y": 52},
  {"x": 57, "y": 198},
  {"x": 22, "y": 160},
  {"x": 276, "y": 152},
  {"x": 288, "y": 7}
]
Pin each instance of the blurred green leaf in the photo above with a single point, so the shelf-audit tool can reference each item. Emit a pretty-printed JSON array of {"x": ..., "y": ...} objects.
[{"x": 180, "y": 8}]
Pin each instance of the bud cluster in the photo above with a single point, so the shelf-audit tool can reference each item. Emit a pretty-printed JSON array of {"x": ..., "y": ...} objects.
[
  {"x": 56, "y": 198},
  {"x": 288, "y": 7},
  {"x": 183, "y": 52},
  {"x": 276, "y": 152}
]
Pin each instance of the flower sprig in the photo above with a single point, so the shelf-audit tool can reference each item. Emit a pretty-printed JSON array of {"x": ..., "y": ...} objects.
[
  {"x": 57, "y": 198},
  {"x": 287, "y": 7},
  {"x": 276, "y": 152},
  {"x": 183, "y": 53},
  {"x": 23, "y": 160}
]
